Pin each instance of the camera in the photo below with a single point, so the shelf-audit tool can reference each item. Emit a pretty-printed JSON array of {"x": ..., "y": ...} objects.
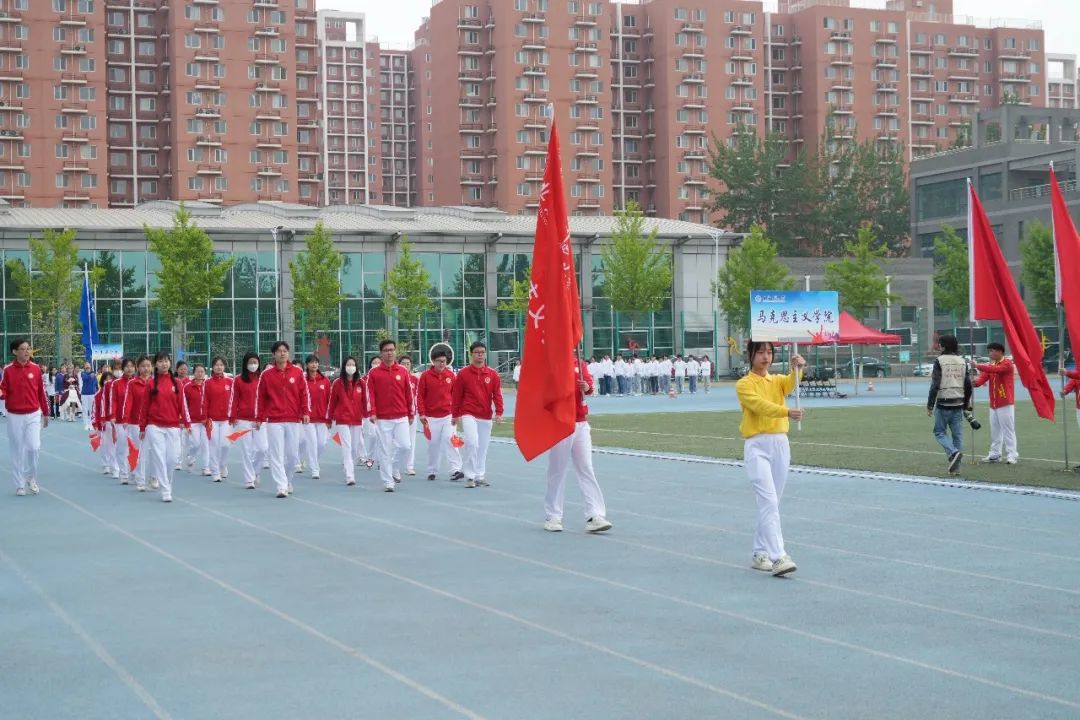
[{"x": 970, "y": 417}]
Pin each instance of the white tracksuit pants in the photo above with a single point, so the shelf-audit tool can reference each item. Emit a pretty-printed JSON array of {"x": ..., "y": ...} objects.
[
  {"x": 393, "y": 449},
  {"x": 279, "y": 437},
  {"x": 767, "y": 458},
  {"x": 161, "y": 446},
  {"x": 198, "y": 447},
  {"x": 88, "y": 412},
  {"x": 1003, "y": 432},
  {"x": 352, "y": 448},
  {"x": 253, "y": 450},
  {"x": 477, "y": 434},
  {"x": 410, "y": 461},
  {"x": 576, "y": 449},
  {"x": 219, "y": 448},
  {"x": 109, "y": 454},
  {"x": 139, "y": 473},
  {"x": 121, "y": 450},
  {"x": 24, "y": 446},
  {"x": 293, "y": 439},
  {"x": 371, "y": 440},
  {"x": 439, "y": 446},
  {"x": 315, "y": 437}
]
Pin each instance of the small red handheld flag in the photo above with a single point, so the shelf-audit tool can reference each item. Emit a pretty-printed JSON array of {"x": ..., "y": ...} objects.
[
  {"x": 95, "y": 440},
  {"x": 427, "y": 432},
  {"x": 233, "y": 437},
  {"x": 337, "y": 438},
  {"x": 456, "y": 441},
  {"x": 133, "y": 455}
]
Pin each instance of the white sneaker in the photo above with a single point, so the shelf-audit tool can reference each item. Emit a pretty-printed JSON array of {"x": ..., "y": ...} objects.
[
  {"x": 299, "y": 468},
  {"x": 410, "y": 471},
  {"x": 21, "y": 492},
  {"x": 761, "y": 562},
  {"x": 397, "y": 477},
  {"x": 225, "y": 473},
  {"x": 350, "y": 482},
  {"x": 470, "y": 483},
  {"x": 1011, "y": 461},
  {"x": 206, "y": 472},
  {"x": 179, "y": 466},
  {"x": 597, "y": 524},
  {"x": 991, "y": 459},
  {"x": 154, "y": 484},
  {"x": 481, "y": 482},
  {"x": 166, "y": 498},
  {"x": 141, "y": 488},
  {"x": 290, "y": 489},
  {"x": 216, "y": 478},
  {"x": 783, "y": 566},
  {"x": 250, "y": 485},
  {"x": 315, "y": 476},
  {"x": 282, "y": 494},
  {"x": 34, "y": 489},
  {"x": 553, "y": 525}
]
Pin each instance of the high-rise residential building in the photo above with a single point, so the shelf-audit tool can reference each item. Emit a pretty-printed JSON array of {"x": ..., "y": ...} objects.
[{"x": 1061, "y": 81}]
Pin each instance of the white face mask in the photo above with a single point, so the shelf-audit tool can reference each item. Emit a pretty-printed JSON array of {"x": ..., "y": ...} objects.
[
  {"x": 350, "y": 369},
  {"x": 117, "y": 373},
  {"x": 253, "y": 367}
]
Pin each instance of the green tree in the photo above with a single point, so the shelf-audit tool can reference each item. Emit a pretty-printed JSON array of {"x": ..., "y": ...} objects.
[
  {"x": 951, "y": 273},
  {"x": 637, "y": 273},
  {"x": 1037, "y": 270},
  {"x": 858, "y": 278},
  {"x": 518, "y": 302},
  {"x": 751, "y": 266},
  {"x": 316, "y": 278},
  {"x": 52, "y": 287},
  {"x": 190, "y": 275},
  {"x": 407, "y": 291}
]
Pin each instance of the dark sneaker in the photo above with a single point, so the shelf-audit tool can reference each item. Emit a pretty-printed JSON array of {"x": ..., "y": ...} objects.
[{"x": 954, "y": 461}]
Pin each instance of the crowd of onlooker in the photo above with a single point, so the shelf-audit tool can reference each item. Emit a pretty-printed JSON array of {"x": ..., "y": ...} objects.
[{"x": 651, "y": 375}]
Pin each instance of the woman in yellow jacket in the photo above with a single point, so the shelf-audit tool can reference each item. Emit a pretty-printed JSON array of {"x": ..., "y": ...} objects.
[{"x": 766, "y": 452}]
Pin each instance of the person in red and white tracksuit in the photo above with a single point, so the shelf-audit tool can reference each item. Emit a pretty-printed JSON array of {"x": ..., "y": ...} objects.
[
  {"x": 999, "y": 373},
  {"x": 283, "y": 405},
  {"x": 475, "y": 390},
  {"x": 27, "y": 405},
  {"x": 576, "y": 449},
  {"x": 433, "y": 393},
  {"x": 217, "y": 391},
  {"x": 391, "y": 403},
  {"x": 163, "y": 416},
  {"x": 103, "y": 423},
  {"x": 313, "y": 436},
  {"x": 241, "y": 414},
  {"x": 198, "y": 444},
  {"x": 117, "y": 394},
  {"x": 183, "y": 376},
  {"x": 410, "y": 462},
  {"x": 346, "y": 409},
  {"x": 135, "y": 392}
]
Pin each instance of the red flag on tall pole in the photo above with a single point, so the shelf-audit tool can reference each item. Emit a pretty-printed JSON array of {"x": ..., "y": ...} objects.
[
  {"x": 1066, "y": 258},
  {"x": 993, "y": 296},
  {"x": 546, "y": 407}
]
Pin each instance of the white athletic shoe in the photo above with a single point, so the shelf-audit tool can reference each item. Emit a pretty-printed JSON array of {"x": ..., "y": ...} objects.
[
  {"x": 315, "y": 476},
  {"x": 299, "y": 468},
  {"x": 21, "y": 492},
  {"x": 410, "y": 471},
  {"x": 282, "y": 494},
  {"x": 154, "y": 484},
  {"x": 250, "y": 485},
  {"x": 597, "y": 524},
  {"x": 553, "y": 525},
  {"x": 225, "y": 473},
  {"x": 1011, "y": 461},
  {"x": 141, "y": 488},
  {"x": 290, "y": 489},
  {"x": 166, "y": 498},
  {"x": 206, "y": 472},
  {"x": 350, "y": 482},
  {"x": 761, "y": 562},
  {"x": 991, "y": 459},
  {"x": 783, "y": 566},
  {"x": 179, "y": 466},
  {"x": 470, "y": 483},
  {"x": 482, "y": 482},
  {"x": 34, "y": 489},
  {"x": 216, "y": 478},
  {"x": 397, "y": 477}
]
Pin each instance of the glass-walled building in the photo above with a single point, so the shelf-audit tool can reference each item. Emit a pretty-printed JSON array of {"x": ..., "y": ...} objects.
[{"x": 471, "y": 256}]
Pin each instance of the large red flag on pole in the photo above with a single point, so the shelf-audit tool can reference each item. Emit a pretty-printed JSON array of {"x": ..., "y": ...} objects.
[
  {"x": 993, "y": 296},
  {"x": 546, "y": 407},
  {"x": 1066, "y": 259}
]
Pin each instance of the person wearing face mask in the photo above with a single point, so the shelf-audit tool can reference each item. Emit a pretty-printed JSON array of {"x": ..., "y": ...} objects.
[
  {"x": 134, "y": 396},
  {"x": 198, "y": 445},
  {"x": 433, "y": 394},
  {"x": 242, "y": 417},
  {"x": 218, "y": 390},
  {"x": 163, "y": 416},
  {"x": 346, "y": 409},
  {"x": 117, "y": 394},
  {"x": 314, "y": 435},
  {"x": 283, "y": 406}
]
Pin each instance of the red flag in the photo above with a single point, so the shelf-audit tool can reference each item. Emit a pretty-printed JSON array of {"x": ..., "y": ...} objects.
[
  {"x": 546, "y": 404},
  {"x": 457, "y": 441},
  {"x": 337, "y": 438},
  {"x": 994, "y": 297},
  {"x": 133, "y": 455},
  {"x": 427, "y": 431},
  {"x": 1066, "y": 260},
  {"x": 95, "y": 441},
  {"x": 233, "y": 437}
]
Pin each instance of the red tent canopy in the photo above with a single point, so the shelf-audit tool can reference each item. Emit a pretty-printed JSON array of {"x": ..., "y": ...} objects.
[{"x": 853, "y": 332}]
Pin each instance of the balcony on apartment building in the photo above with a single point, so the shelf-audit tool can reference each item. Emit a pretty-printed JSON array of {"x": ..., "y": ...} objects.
[
  {"x": 887, "y": 39},
  {"x": 964, "y": 52},
  {"x": 72, "y": 17}
]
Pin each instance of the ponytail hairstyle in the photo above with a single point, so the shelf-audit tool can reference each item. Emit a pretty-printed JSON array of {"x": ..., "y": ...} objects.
[
  {"x": 245, "y": 375},
  {"x": 214, "y": 362},
  {"x": 162, "y": 355},
  {"x": 346, "y": 380},
  {"x": 105, "y": 377},
  {"x": 311, "y": 359}
]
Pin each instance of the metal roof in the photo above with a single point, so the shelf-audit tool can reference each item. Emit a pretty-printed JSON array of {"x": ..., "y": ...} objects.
[{"x": 359, "y": 219}]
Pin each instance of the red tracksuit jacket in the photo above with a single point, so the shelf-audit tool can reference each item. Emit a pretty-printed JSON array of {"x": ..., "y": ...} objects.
[
  {"x": 1073, "y": 385},
  {"x": 217, "y": 390},
  {"x": 433, "y": 393},
  {"x": 135, "y": 393},
  {"x": 195, "y": 397},
  {"x": 283, "y": 395},
  {"x": 582, "y": 408},
  {"x": 348, "y": 403},
  {"x": 167, "y": 408},
  {"x": 117, "y": 391},
  {"x": 242, "y": 399},
  {"x": 23, "y": 390},
  {"x": 103, "y": 406},
  {"x": 319, "y": 390},
  {"x": 390, "y": 394},
  {"x": 1000, "y": 375},
  {"x": 474, "y": 391}
]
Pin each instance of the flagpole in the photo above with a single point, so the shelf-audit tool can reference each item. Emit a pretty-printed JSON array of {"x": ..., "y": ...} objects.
[
  {"x": 1061, "y": 374},
  {"x": 971, "y": 311},
  {"x": 798, "y": 395}
]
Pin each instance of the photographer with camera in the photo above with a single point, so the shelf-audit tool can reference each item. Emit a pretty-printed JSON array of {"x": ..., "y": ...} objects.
[
  {"x": 950, "y": 397},
  {"x": 999, "y": 373}
]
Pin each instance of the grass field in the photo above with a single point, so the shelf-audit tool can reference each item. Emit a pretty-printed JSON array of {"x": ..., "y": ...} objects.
[{"x": 896, "y": 439}]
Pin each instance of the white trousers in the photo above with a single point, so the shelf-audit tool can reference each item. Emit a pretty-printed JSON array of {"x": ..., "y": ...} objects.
[
  {"x": 24, "y": 446},
  {"x": 198, "y": 447},
  {"x": 88, "y": 411},
  {"x": 439, "y": 446},
  {"x": 767, "y": 458},
  {"x": 253, "y": 449},
  {"x": 410, "y": 461},
  {"x": 1003, "y": 432},
  {"x": 576, "y": 449},
  {"x": 109, "y": 450},
  {"x": 352, "y": 448},
  {"x": 371, "y": 440},
  {"x": 139, "y": 473},
  {"x": 161, "y": 447},
  {"x": 477, "y": 437},
  {"x": 393, "y": 448},
  {"x": 219, "y": 448},
  {"x": 315, "y": 437},
  {"x": 279, "y": 438},
  {"x": 121, "y": 450}
]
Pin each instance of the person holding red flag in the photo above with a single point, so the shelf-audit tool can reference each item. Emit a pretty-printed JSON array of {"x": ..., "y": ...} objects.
[
  {"x": 23, "y": 392},
  {"x": 102, "y": 423},
  {"x": 134, "y": 396},
  {"x": 475, "y": 391},
  {"x": 576, "y": 449},
  {"x": 218, "y": 391},
  {"x": 347, "y": 407},
  {"x": 164, "y": 412},
  {"x": 433, "y": 395},
  {"x": 999, "y": 373}
]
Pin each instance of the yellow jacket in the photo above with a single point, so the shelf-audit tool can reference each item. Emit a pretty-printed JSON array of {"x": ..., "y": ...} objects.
[{"x": 762, "y": 401}]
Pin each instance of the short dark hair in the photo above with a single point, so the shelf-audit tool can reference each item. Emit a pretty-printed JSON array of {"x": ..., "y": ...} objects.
[
  {"x": 17, "y": 343},
  {"x": 179, "y": 363},
  {"x": 476, "y": 345},
  {"x": 995, "y": 346},
  {"x": 403, "y": 358},
  {"x": 310, "y": 359},
  {"x": 386, "y": 342},
  {"x": 949, "y": 344},
  {"x": 752, "y": 346},
  {"x": 440, "y": 353},
  {"x": 279, "y": 344}
]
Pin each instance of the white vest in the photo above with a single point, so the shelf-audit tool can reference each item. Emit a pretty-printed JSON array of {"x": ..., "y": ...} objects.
[{"x": 953, "y": 369}]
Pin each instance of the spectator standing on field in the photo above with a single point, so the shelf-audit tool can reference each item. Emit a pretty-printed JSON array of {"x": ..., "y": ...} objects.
[{"x": 950, "y": 395}]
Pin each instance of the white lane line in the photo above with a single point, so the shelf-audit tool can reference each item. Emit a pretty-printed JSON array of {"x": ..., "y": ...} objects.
[
  {"x": 299, "y": 624},
  {"x": 97, "y": 648}
]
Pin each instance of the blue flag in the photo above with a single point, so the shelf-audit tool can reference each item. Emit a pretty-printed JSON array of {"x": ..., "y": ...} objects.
[{"x": 88, "y": 317}]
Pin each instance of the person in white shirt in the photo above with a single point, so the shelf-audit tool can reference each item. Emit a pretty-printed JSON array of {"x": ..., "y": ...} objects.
[
  {"x": 622, "y": 378},
  {"x": 666, "y": 367},
  {"x": 680, "y": 373},
  {"x": 594, "y": 370},
  {"x": 608, "y": 368},
  {"x": 638, "y": 371},
  {"x": 653, "y": 373},
  {"x": 706, "y": 371},
  {"x": 693, "y": 369},
  {"x": 517, "y": 372}
]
